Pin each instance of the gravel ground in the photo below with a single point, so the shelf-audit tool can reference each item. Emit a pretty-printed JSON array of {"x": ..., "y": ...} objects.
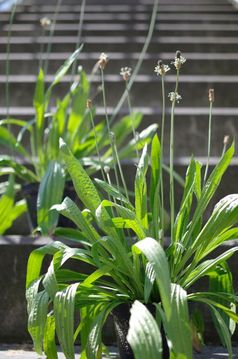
[{"x": 24, "y": 352}]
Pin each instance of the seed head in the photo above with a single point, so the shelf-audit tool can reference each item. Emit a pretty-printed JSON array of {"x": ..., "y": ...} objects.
[
  {"x": 79, "y": 69},
  {"x": 107, "y": 169},
  {"x": 103, "y": 60},
  {"x": 89, "y": 103},
  {"x": 125, "y": 73},
  {"x": 211, "y": 95},
  {"x": 179, "y": 60},
  {"x": 161, "y": 69},
  {"x": 45, "y": 22},
  {"x": 226, "y": 140},
  {"x": 174, "y": 96}
]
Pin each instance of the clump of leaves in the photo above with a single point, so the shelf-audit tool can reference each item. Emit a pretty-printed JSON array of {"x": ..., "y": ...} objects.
[
  {"x": 137, "y": 269},
  {"x": 10, "y": 210},
  {"x": 74, "y": 121}
]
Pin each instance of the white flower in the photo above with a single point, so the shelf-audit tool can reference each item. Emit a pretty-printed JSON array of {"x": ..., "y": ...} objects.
[
  {"x": 174, "y": 96},
  {"x": 125, "y": 73},
  {"x": 161, "y": 69},
  {"x": 103, "y": 60},
  {"x": 179, "y": 60}
]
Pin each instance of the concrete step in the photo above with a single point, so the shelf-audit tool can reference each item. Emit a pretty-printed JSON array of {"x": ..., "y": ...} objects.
[
  {"x": 207, "y": 44},
  {"x": 176, "y": 7},
  {"x": 173, "y": 17},
  {"x": 120, "y": 29},
  {"x": 14, "y": 254},
  {"x": 25, "y": 352},
  {"x": 190, "y": 123},
  {"x": 197, "y": 63},
  {"x": 193, "y": 89}
]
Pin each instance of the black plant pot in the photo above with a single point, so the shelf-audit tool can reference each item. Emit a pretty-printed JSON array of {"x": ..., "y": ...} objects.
[
  {"x": 30, "y": 193},
  {"x": 121, "y": 316}
]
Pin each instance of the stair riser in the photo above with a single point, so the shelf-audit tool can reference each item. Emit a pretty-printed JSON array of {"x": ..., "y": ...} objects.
[
  {"x": 191, "y": 134},
  {"x": 13, "y": 263},
  {"x": 126, "y": 33},
  {"x": 111, "y": 46},
  {"x": 192, "y": 94},
  {"x": 198, "y": 67}
]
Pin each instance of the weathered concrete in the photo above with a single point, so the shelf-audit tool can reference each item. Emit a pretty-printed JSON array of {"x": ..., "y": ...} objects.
[
  {"x": 14, "y": 252},
  {"x": 25, "y": 353}
]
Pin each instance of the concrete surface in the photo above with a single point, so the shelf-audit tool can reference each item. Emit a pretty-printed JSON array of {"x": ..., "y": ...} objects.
[{"x": 23, "y": 352}]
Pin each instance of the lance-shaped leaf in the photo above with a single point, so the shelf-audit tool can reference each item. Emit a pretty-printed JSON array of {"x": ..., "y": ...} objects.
[
  {"x": 178, "y": 325},
  {"x": 50, "y": 192},
  {"x": 144, "y": 335},
  {"x": 64, "y": 305},
  {"x": 155, "y": 254},
  {"x": 39, "y": 103},
  {"x": 141, "y": 189},
  {"x": 70, "y": 210}
]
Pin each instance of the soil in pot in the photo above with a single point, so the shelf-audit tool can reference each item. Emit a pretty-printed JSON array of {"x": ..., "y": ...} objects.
[{"x": 121, "y": 316}]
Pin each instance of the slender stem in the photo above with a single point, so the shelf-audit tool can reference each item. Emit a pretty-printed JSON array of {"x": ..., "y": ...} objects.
[
  {"x": 132, "y": 119},
  {"x": 109, "y": 197},
  {"x": 162, "y": 160},
  {"x": 52, "y": 31},
  {"x": 172, "y": 160},
  {"x": 42, "y": 50},
  {"x": 7, "y": 88},
  {"x": 96, "y": 144},
  {"x": 79, "y": 35},
  {"x": 140, "y": 60},
  {"x": 108, "y": 127},
  {"x": 120, "y": 170},
  {"x": 209, "y": 142}
]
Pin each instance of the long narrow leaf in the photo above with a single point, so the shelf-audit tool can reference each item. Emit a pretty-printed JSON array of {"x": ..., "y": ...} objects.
[
  {"x": 50, "y": 192},
  {"x": 141, "y": 189},
  {"x": 177, "y": 327},
  {"x": 64, "y": 305},
  {"x": 157, "y": 257},
  {"x": 144, "y": 334}
]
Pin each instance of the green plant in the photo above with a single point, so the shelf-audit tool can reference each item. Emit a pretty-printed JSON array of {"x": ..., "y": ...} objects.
[
  {"x": 138, "y": 270},
  {"x": 122, "y": 240},
  {"x": 74, "y": 120},
  {"x": 9, "y": 209}
]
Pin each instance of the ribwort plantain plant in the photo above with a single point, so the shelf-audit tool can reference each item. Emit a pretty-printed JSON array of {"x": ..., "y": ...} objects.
[
  {"x": 122, "y": 241},
  {"x": 73, "y": 119}
]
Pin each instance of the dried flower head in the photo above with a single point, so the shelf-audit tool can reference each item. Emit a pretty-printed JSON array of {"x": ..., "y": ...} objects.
[
  {"x": 89, "y": 103},
  {"x": 79, "y": 69},
  {"x": 211, "y": 95},
  {"x": 45, "y": 22},
  {"x": 179, "y": 60},
  {"x": 161, "y": 69},
  {"x": 103, "y": 60},
  {"x": 125, "y": 73},
  {"x": 226, "y": 140},
  {"x": 107, "y": 169},
  {"x": 174, "y": 96}
]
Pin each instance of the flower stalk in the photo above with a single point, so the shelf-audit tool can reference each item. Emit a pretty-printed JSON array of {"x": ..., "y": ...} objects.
[
  {"x": 103, "y": 60},
  {"x": 89, "y": 107},
  {"x": 211, "y": 98},
  {"x": 126, "y": 74},
  {"x": 161, "y": 70},
  {"x": 174, "y": 97}
]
